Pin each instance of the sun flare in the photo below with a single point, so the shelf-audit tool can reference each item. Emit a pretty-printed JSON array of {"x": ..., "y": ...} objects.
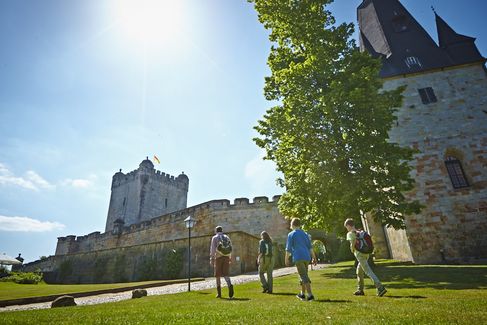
[{"x": 149, "y": 22}]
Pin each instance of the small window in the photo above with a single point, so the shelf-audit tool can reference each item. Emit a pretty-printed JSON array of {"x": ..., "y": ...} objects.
[
  {"x": 124, "y": 201},
  {"x": 427, "y": 95},
  {"x": 455, "y": 170},
  {"x": 413, "y": 62},
  {"x": 165, "y": 202}
]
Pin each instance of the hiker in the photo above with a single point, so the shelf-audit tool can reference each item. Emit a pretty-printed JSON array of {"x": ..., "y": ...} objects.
[
  {"x": 363, "y": 266},
  {"x": 220, "y": 259},
  {"x": 265, "y": 261},
  {"x": 298, "y": 246}
]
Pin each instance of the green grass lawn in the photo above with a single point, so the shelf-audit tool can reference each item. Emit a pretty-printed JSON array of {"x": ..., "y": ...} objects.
[
  {"x": 417, "y": 295},
  {"x": 10, "y": 290}
]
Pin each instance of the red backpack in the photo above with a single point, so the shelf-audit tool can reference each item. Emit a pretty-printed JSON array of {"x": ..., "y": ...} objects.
[{"x": 363, "y": 244}]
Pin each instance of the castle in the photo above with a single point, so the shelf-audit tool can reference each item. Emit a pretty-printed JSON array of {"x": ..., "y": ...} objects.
[
  {"x": 443, "y": 117},
  {"x": 145, "y": 231}
]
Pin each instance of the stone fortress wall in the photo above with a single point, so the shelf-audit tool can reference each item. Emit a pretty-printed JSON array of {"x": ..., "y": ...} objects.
[
  {"x": 453, "y": 223},
  {"x": 242, "y": 215},
  {"x": 125, "y": 253}
]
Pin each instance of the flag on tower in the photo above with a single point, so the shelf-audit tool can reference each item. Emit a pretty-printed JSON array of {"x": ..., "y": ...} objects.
[{"x": 156, "y": 159}]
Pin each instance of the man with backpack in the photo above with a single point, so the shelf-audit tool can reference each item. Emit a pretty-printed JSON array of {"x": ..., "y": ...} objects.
[
  {"x": 220, "y": 257},
  {"x": 361, "y": 246}
]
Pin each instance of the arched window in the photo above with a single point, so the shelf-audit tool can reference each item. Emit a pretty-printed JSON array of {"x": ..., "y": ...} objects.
[{"x": 455, "y": 170}]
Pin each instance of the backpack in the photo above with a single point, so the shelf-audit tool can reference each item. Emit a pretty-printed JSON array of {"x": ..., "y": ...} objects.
[
  {"x": 224, "y": 246},
  {"x": 364, "y": 244}
]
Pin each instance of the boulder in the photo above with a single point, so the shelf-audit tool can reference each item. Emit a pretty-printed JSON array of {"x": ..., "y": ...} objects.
[
  {"x": 63, "y": 301},
  {"x": 139, "y": 293}
]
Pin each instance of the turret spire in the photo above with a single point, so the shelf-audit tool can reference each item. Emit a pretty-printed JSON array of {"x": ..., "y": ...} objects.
[{"x": 388, "y": 30}]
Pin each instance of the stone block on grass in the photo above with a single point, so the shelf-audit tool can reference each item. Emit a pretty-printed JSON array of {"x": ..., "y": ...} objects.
[
  {"x": 63, "y": 301},
  {"x": 139, "y": 293}
]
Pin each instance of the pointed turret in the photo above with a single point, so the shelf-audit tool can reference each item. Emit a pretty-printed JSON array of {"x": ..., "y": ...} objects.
[
  {"x": 460, "y": 48},
  {"x": 387, "y": 29}
]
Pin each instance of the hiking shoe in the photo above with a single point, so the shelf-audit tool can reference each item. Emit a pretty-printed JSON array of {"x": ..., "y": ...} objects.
[
  {"x": 230, "y": 291},
  {"x": 301, "y": 296},
  {"x": 265, "y": 290},
  {"x": 381, "y": 291},
  {"x": 310, "y": 298},
  {"x": 359, "y": 293}
]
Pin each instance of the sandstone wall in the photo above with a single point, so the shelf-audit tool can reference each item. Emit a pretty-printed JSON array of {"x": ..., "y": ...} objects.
[
  {"x": 146, "y": 261},
  {"x": 454, "y": 220},
  {"x": 242, "y": 216}
]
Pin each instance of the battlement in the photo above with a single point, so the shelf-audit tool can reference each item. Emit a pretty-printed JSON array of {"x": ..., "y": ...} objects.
[
  {"x": 120, "y": 179},
  {"x": 171, "y": 224}
]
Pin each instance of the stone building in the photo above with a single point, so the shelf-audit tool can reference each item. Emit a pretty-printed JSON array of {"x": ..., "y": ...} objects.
[
  {"x": 145, "y": 231},
  {"x": 144, "y": 194},
  {"x": 444, "y": 117}
]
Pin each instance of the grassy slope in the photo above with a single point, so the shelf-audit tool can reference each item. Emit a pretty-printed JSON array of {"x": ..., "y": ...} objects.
[
  {"x": 417, "y": 295},
  {"x": 10, "y": 290}
]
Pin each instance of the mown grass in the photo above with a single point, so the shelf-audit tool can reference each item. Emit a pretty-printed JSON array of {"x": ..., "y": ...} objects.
[
  {"x": 10, "y": 290},
  {"x": 417, "y": 295}
]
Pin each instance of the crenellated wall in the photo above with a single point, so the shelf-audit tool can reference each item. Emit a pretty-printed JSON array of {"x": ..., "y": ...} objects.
[
  {"x": 243, "y": 215},
  {"x": 147, "y": 261}
]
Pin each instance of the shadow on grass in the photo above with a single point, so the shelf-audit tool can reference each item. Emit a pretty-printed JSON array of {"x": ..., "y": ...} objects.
[
  {"x": 235, "y": 299},
  {"x": 410, "y": 276},
  {"x": 407, "y": 297},
  {"x": 283, "y": 294},
  {"x": 332, "y": 301}
]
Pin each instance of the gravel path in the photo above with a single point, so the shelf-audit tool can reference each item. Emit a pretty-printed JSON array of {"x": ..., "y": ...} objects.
[{"x": 208, "y": 283}]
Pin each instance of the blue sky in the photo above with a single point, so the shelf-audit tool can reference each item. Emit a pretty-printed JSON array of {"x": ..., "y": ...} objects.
[{"x": 84, "y": 91}]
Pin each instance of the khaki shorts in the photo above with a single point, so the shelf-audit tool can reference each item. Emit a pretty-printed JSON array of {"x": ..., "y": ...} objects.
[
  {"x": 302, "y": 267},
  {"x": 222, "y": 266}
]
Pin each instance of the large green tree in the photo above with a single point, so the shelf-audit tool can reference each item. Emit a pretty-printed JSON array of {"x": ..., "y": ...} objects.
[{"x": 328, "y": 132}]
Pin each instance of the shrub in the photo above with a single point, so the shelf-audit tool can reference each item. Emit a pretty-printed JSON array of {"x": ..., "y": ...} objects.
[
  {"x": 344, "y": 252},
  {"x": 173, "y": 263},
  {"x": 149, "y": 269},
  {"x": 4, "y": 271},
  {"x": 24, "y": 277}
]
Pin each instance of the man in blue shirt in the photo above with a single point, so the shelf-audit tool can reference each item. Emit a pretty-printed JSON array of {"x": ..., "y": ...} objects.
[{"x": 299, "y": 247}]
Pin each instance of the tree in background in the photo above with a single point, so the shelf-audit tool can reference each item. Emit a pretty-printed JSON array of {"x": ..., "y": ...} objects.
[{"x": 328, "y": 132}]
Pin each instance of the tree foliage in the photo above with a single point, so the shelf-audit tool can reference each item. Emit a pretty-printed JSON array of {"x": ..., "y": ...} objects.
[{"x": 328, "y": 133}]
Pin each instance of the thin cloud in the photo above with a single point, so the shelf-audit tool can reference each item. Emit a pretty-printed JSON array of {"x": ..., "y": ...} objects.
[
  {"x": 80, "y": 182},
  {"x": 31, "y": 180},
  {"x": 25, "y": 224}
]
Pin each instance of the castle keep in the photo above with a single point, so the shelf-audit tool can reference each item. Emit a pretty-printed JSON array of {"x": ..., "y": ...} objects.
[
  {"x": 144, "y": 194},
  {"x": 444, "y": 117}
]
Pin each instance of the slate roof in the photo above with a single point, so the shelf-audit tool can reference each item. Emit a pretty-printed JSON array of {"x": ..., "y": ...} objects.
[{"x": 389, "y": 31}]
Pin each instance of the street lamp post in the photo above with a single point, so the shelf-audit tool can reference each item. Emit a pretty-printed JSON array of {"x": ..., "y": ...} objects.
[{"x": 189, "y": 222}]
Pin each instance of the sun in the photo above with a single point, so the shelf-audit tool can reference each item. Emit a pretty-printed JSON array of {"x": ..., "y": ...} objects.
[{"x": 149, "y": 22}]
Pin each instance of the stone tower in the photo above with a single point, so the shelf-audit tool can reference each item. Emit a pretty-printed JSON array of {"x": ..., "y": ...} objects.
[
  {"x": 144, "y": 194},
  {"x": 444, "y": 117}
]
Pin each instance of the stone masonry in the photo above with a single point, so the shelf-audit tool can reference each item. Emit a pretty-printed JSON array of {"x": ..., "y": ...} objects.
[
  {"x": 140, "y": 251},
  {"x": 143, "y": 194},
  {"x": 453, "y": 223}
]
